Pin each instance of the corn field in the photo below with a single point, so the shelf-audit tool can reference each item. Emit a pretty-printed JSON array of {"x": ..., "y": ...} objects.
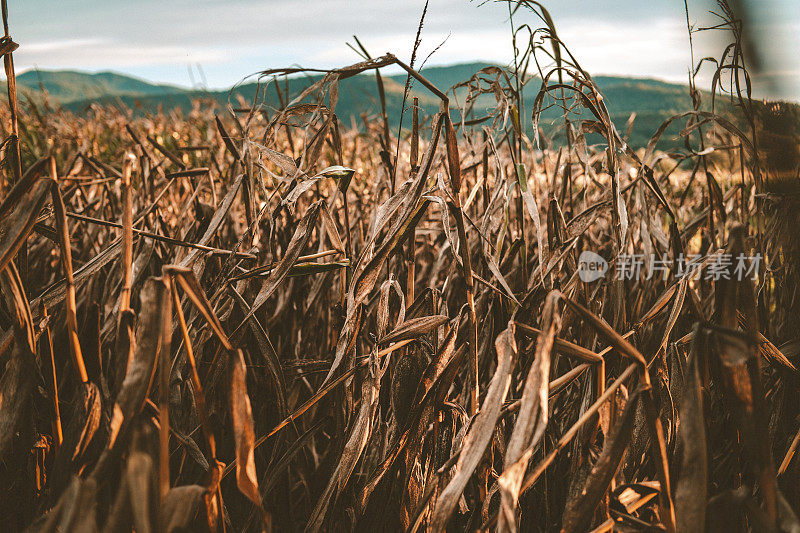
[{"x": 257, "y": 318}]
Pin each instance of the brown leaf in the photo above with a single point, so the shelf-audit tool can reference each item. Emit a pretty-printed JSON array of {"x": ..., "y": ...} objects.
[
  {"x": 532, "y": 418},
  {"x": 603, "y": 328},
  {"x": 437, "y": 378},
  {"x": 413, "y": 328},
  {"x": 295, "y": 247},
  {"x": 216, "y": 221},
  {"x": 180, "y": 506},
  {"x": 18, "y": 214},
  {"x": 140, "y": 479},
  {"x": 480, "y": 433},
  {"x": 155, "y": 302},
  {"x": 188, "y": 281},
  {"x": 356, "y": 442},
  {"x": 579, "y": 512},
  {"x": 16, "y": 386},
  {"x": 690, "y": 491},
  {"x": 244, "y": 435}
]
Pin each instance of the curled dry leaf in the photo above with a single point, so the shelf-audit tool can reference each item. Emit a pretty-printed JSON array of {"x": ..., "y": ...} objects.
[
  {"x": 244, "y": 435},
  {"x": 691, "y": 488},
  {"x": 532, "y": 418},
  {"x": 480, "y": 432}
]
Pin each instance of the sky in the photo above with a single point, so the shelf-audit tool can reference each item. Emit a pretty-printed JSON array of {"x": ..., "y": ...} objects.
[{"x": 216, "y": 43}]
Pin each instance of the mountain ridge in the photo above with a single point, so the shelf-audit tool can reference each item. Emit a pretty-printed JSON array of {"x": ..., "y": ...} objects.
[
  {"x": 651, "y": 99},
  {"x": 57, "y": 80}
]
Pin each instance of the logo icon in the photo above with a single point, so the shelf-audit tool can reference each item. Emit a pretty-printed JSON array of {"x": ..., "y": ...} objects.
[{"x": 591, "y": 266}]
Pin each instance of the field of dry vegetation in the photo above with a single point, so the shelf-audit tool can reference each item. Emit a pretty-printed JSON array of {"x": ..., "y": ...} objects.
[{"x": 258, "y": 318}]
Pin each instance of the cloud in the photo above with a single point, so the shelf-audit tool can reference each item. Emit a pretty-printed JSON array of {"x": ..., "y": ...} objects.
[
  {"x": 55, "y": 46},
  {"x": 99, "y": 53}
]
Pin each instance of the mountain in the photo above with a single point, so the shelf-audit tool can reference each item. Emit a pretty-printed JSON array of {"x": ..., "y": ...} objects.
[
  {"x": 652, "y": 100},
  {"x": 68, "y": 86}
]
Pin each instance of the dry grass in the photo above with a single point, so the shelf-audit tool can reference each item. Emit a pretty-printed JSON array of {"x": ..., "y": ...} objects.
[{"x": 262, "y": 319}]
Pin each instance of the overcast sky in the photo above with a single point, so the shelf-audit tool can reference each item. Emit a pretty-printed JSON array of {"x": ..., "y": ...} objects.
[{"x": 161, "y": 40}]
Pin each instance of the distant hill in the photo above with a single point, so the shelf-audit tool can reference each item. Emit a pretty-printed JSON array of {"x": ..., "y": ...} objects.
[
  {"x": 67, "y": 86},
  {"x": 652, "y": 100}
]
